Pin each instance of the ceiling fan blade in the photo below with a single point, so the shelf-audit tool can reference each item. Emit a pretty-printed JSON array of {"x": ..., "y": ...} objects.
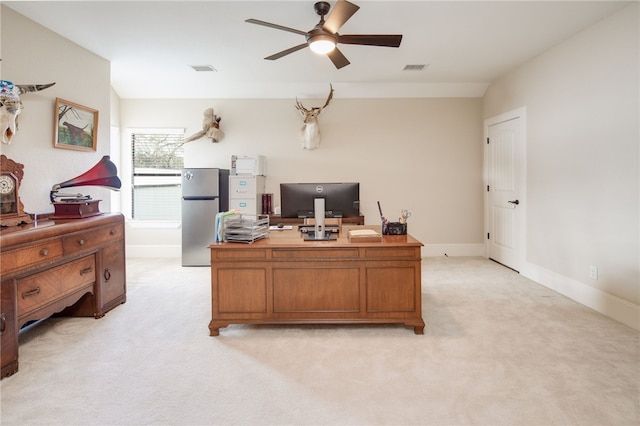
[
  {"x": 286, "y": 52},
  {"x": 387, "y": 40},
  {"x": 338, "y": 59},
  {"x": 341, "y": 12},
  {"x": 276, "y": 26}
]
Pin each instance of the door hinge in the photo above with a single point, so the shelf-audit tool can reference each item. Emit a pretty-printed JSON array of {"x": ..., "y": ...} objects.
[
  {"x": 487, "y": 188},
  {"x": 487, "y": 141},
  {"x": 488, "y": 236}
]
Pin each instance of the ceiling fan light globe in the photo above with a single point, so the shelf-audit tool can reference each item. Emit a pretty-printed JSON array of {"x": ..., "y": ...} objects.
[{"x": 322, "y": 46}]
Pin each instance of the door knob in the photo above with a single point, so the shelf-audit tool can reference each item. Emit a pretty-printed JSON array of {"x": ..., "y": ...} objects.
[{"x": 516, "y": 202}]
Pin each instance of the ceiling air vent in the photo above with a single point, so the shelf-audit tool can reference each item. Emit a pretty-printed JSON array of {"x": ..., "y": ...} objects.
[
  {"x": 203, "y": 68},
  {"x": 416, "y": 67}
]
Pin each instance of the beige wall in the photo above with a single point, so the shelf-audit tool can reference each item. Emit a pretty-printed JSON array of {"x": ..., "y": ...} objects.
[
  {"x": 32, "y": 54},
  {"x": 421, "y": 154},
  {"x": 582, "y": 100}
]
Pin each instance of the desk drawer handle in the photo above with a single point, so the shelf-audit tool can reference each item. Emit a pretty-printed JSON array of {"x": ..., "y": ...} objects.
[
  {"x": 3, "y": 325},
  {"x": 30, "y": 293},
  {"x": 86, "y": 270},
  {"x": 80, "y": 242},
  {"x": 44, "y": 252}
]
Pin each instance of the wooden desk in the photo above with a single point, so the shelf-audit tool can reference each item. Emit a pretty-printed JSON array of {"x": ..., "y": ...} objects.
[
  {"x": 75, "y": 266},
  {"x": 285, "y": 280}
]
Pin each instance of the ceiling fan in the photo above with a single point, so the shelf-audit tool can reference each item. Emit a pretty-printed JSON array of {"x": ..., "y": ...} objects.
[{"x": 324, "y": 37}]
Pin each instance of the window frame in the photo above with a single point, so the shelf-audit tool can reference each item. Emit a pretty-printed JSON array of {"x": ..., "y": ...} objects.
[{"x": 128, "y": 189}]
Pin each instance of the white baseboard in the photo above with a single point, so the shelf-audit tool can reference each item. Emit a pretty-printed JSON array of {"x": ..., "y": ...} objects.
[
  {"x": 612, "y": 306},
  {"x": 435, "y": 250},
  {"x": 154, "y": 251}
]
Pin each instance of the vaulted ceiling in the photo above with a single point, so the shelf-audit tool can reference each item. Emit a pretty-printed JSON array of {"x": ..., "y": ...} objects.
[{"x": 464, "y": 45}]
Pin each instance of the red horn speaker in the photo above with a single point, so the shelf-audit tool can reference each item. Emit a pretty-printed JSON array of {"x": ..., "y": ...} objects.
[
  {"x": 75, "y": 206},
  {"x": 104, "y": 174}
]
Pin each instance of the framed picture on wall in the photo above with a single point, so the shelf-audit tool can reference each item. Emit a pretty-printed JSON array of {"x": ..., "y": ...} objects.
[{"x": 76, "y": 126}]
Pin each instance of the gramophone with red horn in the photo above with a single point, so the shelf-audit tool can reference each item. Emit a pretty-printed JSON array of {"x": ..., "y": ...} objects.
[{"x": 77, "y": 206}]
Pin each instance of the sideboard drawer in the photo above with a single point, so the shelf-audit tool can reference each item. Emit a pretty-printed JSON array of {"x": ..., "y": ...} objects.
[
  {"x": 31, "y": 256},
  {"x": 89, "y": 240},
  {"x": 38, "y": 290}
]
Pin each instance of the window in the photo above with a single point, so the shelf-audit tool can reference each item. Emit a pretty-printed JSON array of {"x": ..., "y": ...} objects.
[{"x": 157, "y": 160}]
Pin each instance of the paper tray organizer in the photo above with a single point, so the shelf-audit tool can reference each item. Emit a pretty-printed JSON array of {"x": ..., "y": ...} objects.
[{"x": 242, "y": 229}]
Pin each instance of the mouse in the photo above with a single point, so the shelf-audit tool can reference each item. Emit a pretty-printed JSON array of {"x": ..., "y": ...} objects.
[{"x": 280, "y": 225}]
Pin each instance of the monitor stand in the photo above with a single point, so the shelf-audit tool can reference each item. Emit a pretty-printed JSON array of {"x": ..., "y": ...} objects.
[
  {"x": 328, "y": 236},
  {"x": 319, "y": 233}
]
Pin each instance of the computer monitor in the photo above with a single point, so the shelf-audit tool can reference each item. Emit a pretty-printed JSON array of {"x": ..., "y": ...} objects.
[{"x": 341, "y": 199}]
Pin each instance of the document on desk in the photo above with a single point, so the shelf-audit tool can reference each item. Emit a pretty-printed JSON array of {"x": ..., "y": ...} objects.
[
  {"x": 364, "y": 235},
  {"x": 283, "y": 228}
]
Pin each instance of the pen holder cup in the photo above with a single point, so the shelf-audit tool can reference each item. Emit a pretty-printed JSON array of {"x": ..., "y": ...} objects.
[{"x": 394, "y": 228}]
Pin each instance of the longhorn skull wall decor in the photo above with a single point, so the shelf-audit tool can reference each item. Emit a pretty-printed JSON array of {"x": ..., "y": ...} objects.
[
  {"x": 210, "y": 128},
  {"x": 310, "y": 131},
  {"x": 11, "y": 105}
]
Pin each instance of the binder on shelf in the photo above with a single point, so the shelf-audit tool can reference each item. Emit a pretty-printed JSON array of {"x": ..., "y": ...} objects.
[{"x": 266, "y": 203}]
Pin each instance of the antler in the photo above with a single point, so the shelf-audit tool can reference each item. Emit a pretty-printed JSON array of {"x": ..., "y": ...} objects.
[
  {"x": 301, "y": 107},
  {"x": 329, "y": 97}
]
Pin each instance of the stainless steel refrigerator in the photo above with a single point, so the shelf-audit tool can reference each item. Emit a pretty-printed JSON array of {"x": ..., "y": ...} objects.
[{"x": 205, "y": 192}]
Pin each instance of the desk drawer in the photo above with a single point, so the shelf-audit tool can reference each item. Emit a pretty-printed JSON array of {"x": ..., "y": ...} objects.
[
  {"x": 86, "y": 241},
  {"x": 23, "y": 258},
  {"x": 410, "y": 253},
  {"x": 238, "y": 254},
  {"x": 315, "y": 253},
  {"x": 38, "y": 290}
]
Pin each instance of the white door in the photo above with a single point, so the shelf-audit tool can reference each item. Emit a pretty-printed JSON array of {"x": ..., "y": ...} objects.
[{"x": 505, "y": 192}]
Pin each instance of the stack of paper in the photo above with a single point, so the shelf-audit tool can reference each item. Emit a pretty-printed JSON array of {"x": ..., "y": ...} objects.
[{"x": 364, "y": 235}]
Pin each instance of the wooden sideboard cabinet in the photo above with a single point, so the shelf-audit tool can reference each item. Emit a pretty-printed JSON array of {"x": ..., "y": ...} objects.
[{"x": 72, "y": 267}]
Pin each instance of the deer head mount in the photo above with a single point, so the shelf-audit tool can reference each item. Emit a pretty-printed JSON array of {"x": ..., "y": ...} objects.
[{"x": 310, "y": 132}]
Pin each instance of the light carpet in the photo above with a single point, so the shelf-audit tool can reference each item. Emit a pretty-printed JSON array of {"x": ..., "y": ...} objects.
[{"x": 498, "y": 349}]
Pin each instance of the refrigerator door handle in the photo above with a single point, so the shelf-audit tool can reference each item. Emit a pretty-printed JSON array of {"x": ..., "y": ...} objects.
[{"x": 192, "y": 198}]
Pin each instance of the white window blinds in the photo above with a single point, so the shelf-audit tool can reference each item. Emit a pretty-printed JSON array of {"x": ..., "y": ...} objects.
[{"x": 157, "y": 160}]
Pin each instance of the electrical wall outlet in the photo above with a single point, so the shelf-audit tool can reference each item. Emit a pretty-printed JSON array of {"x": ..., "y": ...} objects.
[{"x": 593, "y": 272}]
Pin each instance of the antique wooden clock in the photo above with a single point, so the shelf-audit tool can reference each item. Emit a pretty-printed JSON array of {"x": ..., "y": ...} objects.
[{"x": 11, "y": 207}]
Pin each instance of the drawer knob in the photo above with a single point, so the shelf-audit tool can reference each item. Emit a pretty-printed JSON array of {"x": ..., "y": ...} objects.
[
  {"x": 112, "y": 232},
  {"x": 44, "y": 252},
  {"x": 30, "y": 293},
  {"x": 3, "y": 323},
  {"x": 80, "y": 242}
]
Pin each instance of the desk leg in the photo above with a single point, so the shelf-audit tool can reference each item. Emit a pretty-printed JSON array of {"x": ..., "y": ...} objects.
[
  {"x": 418, "y": 327},
  {"x": 215, "y": 326}
]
